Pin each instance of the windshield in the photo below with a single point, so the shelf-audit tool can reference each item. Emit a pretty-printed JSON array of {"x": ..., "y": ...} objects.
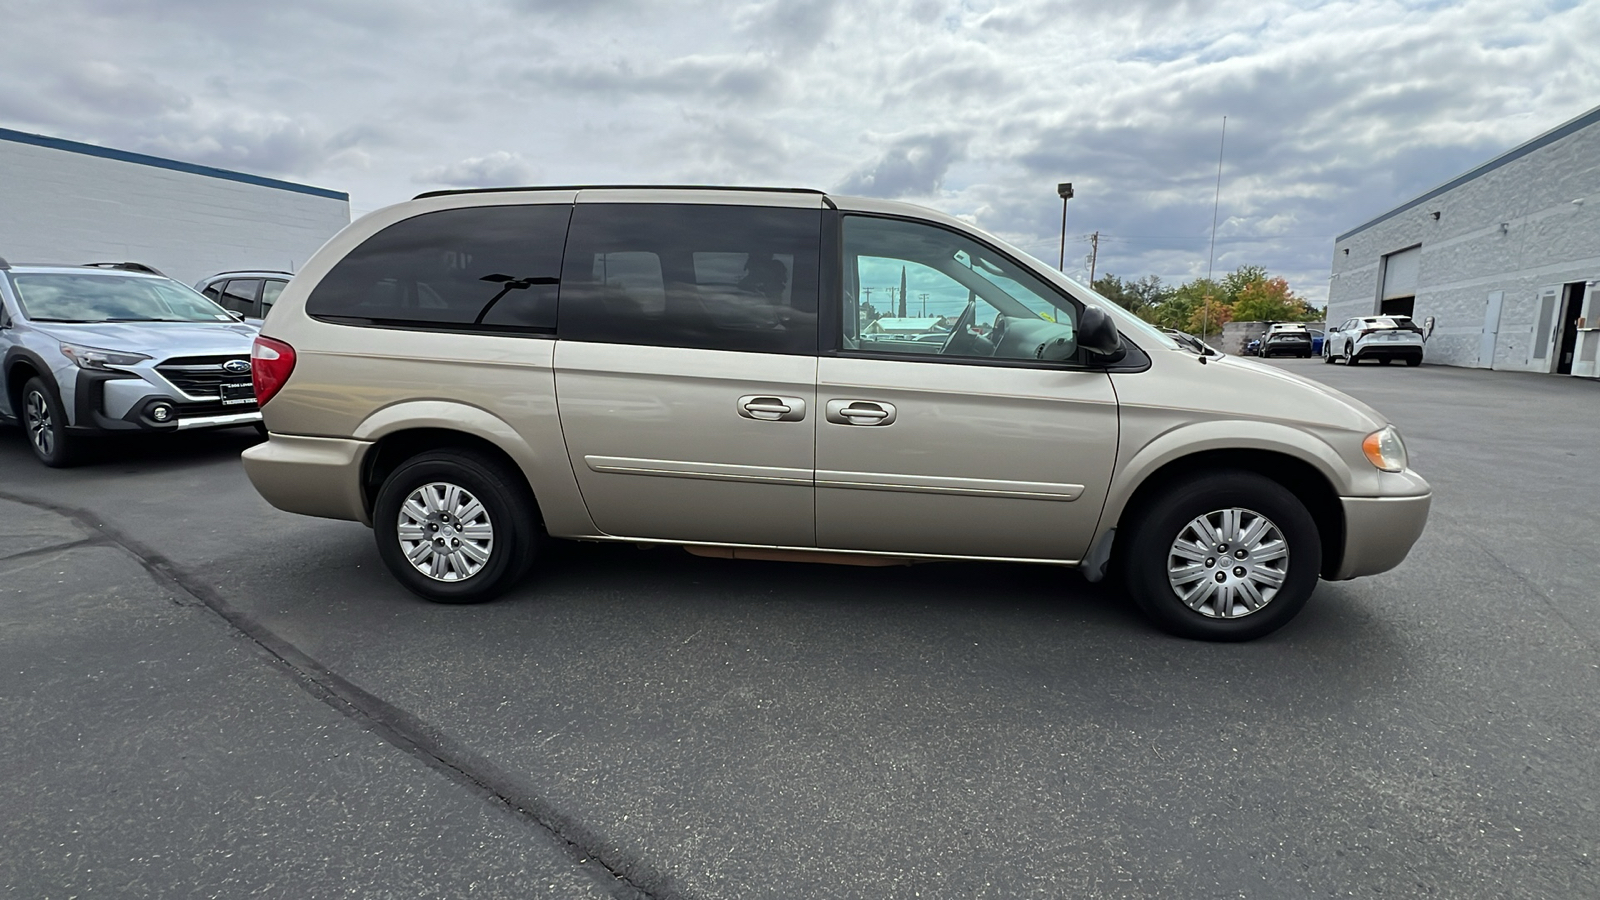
[{"x": 95, "y": 297}]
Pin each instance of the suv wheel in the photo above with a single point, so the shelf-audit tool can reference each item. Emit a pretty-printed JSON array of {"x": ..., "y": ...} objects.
[
  {"x": 455, "y": 526},
  {"x": 45, "y": 424},
  {"x": 1327, "y": 355},
  {"x": 1228, "y": 556}
]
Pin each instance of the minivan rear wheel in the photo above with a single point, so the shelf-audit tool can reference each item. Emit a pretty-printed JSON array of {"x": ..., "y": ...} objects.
[
  {"x": 455, "y": 526},
  {"x": 1227, "y": 556}
]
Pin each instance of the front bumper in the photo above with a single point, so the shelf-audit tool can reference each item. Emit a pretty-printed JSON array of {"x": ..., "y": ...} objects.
[
  {"x": 311, "y": 476},
  {"x": 92, "y": 395},
  {"x": 1379, "y": 532}
]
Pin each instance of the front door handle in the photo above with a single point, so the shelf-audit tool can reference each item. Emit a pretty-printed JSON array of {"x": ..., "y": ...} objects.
[
  {"x": 859, "y": 412},
  {"x": 770, "y": 408}
]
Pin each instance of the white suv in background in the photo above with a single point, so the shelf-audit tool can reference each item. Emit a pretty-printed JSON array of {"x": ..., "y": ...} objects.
[{"x": 1384, "y": 338}]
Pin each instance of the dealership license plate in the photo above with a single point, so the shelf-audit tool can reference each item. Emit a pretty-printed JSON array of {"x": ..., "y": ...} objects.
[{"x": 238, "y": 394}]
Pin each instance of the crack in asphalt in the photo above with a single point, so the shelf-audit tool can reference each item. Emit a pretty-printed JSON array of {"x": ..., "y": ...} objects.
[
  {"x": 632, "y": 878},
  {"x": 54, "y": 548}
]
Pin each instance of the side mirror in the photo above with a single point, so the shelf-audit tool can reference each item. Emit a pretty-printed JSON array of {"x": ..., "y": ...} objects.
[
  {"x": 1427, "y": 328},
  {"x": 1098, "y": 334},
  {"x": 237, "y": 316}
]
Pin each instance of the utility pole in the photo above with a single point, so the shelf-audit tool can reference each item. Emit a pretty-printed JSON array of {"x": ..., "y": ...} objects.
[
  {"x": 1094, "y": 255},
  {"x": 924, "y": 305},
  {"x": 1064, "y": 190},
  {"x": 1211, "y": 257}
]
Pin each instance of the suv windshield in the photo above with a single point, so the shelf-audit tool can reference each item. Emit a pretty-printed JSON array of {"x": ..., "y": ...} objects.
[{"x": 94, "y": 297}]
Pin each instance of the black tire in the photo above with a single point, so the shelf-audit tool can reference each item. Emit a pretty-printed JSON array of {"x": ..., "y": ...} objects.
[
  {"x": 1157, "y": 526},
  {"x": 506, "y": 502},
  {"x": 1413, "y": 360},
  {"x": 1326, "y": 356},
  {"x": 44, "y": 425}
]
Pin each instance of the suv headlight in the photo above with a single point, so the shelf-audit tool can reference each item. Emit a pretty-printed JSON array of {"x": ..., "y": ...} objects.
[
  {"x": 1385, "y": 450},
  {"x": 96, "y": 358}
]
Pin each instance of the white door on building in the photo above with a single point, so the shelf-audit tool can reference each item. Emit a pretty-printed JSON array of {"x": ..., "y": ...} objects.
[
  {"x": 1586, "y": 355},
  {"x": 1491, "y": 329},
  {"x": 1541, "y": 347}
]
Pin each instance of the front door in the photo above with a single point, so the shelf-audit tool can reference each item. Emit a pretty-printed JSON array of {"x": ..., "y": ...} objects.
[
  {"x": 943, "y": 430},
  {"x": 686, "y": 369}
]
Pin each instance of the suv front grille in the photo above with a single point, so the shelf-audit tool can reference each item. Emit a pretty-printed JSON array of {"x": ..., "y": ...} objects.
[{"x": 201, "y": 377}]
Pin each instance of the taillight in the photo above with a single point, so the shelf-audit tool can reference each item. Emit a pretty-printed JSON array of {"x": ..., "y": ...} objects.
[{"x": 270, "y": 364}]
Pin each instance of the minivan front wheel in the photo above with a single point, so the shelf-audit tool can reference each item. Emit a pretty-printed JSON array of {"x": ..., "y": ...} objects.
[
  {"x": 455, "y": 526},
  {"x": 1228, "y": 556}
]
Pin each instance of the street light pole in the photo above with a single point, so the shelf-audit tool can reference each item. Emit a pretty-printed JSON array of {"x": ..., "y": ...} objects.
[{"x": 1064, "y": 190}]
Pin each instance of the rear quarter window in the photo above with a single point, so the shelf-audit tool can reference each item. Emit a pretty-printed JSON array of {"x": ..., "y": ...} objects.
[{"x": 492, "y": 268}]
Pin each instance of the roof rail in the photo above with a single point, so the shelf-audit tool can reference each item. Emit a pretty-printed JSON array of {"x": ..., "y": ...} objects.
[
  {"x": 248, "y": 272},
  {"x": 615, "y": 187},
  {"x": 127, "y": 267}
]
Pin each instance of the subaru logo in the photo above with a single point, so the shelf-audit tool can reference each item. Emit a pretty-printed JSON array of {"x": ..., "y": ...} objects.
[{"x": 236, "y": 366}]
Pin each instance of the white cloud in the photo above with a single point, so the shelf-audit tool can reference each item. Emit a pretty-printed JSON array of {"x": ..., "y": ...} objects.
[
  {"x": 498, "y": 169},
  {"x": 1336, "y": 110}
]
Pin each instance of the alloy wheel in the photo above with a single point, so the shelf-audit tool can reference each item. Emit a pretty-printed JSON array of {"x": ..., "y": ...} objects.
[
  {"x": 445, "y": 532},
  {"x": 1228, "y": 563},
  {"x": 41, "y": 429}
]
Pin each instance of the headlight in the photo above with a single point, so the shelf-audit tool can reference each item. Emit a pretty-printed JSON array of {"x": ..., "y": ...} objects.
[
  {"x": 1385, "y": 450},
  {"x": 95, "y": 358}
]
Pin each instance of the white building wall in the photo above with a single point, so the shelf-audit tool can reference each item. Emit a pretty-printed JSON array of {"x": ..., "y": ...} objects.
[
  {"x": 1466, "y": 254},
  {"x": 62, "y": 206}
]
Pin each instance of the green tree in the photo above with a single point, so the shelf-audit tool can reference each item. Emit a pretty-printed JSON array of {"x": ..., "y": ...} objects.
[
  {"x": 1236, "y": 282},
  {"x": 1136, "y": 296},
  {"x": 1270, "y": 300}
]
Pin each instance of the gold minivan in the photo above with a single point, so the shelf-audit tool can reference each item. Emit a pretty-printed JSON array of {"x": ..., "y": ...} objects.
[{"x": 788, "y": 374}]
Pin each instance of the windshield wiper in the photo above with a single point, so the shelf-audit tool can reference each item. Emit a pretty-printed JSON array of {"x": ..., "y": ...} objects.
[
  {"x": 62, "y": 321},
  {"x": 143, "y": 319}
]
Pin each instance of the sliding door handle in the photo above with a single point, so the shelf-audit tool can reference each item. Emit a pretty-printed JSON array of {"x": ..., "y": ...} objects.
[
  {"x": 859, "y": 412},
  {"x": 769, "y": 408}
]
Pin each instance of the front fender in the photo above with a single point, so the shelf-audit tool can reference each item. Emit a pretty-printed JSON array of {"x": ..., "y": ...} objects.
[{"x": 1223, "y": 436}]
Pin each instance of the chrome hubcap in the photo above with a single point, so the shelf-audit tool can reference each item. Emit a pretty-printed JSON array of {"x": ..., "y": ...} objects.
[
  {"x": 1228, "y": 563},
  {"x": 445, "y": 532},
  {"x": 40, "y": 429}
]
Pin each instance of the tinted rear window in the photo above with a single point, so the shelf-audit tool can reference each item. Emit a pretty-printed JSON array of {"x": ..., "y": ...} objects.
[
  {"x": 492, "y": 268},
  {"x": 710, "y": 277}
]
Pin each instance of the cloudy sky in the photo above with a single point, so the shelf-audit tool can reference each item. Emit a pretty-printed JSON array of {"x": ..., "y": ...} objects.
[{"x": 1336, "y": 111}]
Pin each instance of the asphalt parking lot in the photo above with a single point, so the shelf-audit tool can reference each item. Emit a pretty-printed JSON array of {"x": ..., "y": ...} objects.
[{"x": 205, "y": 697}]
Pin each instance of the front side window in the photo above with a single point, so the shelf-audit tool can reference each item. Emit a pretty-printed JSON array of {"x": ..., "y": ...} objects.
[
  {"x": 94, "y": 297},
  {"x": 490, "y": 268},
  {"x": 741, "y": 278},
  {"x": 912, "y": 288}
]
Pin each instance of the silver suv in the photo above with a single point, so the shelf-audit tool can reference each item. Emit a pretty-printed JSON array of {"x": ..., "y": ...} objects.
[
  {"x": 96, "y": 350},
  {"x": 785, "y": 374}
]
